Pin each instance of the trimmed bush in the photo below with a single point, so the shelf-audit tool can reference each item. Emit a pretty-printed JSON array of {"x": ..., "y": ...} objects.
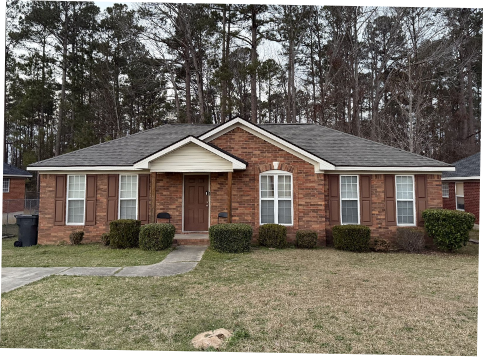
[
  {"x": 156, "y": 236},
  {"x": 381, "y": 245},
  {"x": 410, "y": 239},
  {"x": 354, "y": 238},
  {"x": 76, "y": 237},
  {"x": 124, "y": 233},
  {"x": 231, "y": 237},
  {"x": 306, "y": 239},
  {"x": 105, "y": 239},
  {"x": 449, "y": 229},
  {"x": 272, "y": 235}
]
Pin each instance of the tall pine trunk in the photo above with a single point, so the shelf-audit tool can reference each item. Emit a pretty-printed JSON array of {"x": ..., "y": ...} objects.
[{"x": 253, "y": 74}]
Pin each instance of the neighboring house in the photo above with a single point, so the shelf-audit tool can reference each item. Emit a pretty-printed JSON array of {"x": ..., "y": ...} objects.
[
  {"x": 300, "y": 175},
  {"x": 14, "y": 188},
  {"x": 461, "y": 188}
]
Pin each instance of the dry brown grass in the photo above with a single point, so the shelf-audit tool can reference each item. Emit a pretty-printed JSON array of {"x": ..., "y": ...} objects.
[{"x": 311, "y": 301}]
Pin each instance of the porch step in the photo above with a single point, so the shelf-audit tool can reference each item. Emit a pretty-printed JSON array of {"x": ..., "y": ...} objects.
[{"x": 191, "y": 239}]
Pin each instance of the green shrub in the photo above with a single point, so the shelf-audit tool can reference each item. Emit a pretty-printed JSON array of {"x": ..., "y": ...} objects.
[
  {"x": 105, "y": 239},
  {"x": 410, "y": 239},
  {"x": 449, "y": 229},
  {"x": 124, "y": 233},
  {"x": 272, "y": 235},
  {"x": 306, "y": 239},
  {"x": 76, "y": 237},
  {"x": 354, "y": 238},
  {"x": 231, "y": 237},
  {"x": 156, "y": 236}
]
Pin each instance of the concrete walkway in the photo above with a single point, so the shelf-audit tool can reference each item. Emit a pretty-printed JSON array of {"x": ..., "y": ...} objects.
[{"x": 179, "y": 261}]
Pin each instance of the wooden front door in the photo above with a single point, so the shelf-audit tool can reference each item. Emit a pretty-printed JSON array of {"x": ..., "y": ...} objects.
[{"x": 196, "y": 202}]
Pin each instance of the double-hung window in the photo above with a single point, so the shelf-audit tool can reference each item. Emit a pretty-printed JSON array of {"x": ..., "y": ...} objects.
[
  {"x": 276, "y": 198},
  {"x": 405, "y": 200},
  {"x": 128, "y": 196},
  {"x": 6, "y": 185},
  {"x": 460, "y": 196},
  {"x": 445, "y": 188},
  {"x": 349, "y": 197},
  {"x": 76, "y": 194}
]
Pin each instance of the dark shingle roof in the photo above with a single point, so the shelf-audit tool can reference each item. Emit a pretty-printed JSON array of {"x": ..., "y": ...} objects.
[
  {"x": 343, "y": 149},
  {"x": 338, "y": 148},
  {"x": 467, "y": 167},
  {"x": 9, "y": 170},
  {"x": 127, "y": 150}
]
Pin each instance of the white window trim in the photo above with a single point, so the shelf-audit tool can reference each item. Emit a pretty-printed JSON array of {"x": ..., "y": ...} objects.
[
  {"x": 442, "y": 190},
  {"x": 275, "y": 198},
  {"x": 456, "y": 196},
  {"x": 119, "y": 196},
  {"x": 8, "y": 185},
  {"x": 67, "y": 199},
  {"x": 349, "y": 199},
  {"x": 414, "y": 224}
]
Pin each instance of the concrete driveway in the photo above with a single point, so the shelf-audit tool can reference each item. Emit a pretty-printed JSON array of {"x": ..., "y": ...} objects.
[{"x": 181, "y": 260}]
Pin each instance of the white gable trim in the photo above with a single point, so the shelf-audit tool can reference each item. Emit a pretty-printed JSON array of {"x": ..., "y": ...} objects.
[
  {"x": 144, "y": 164},
  {"x": 81, "y": 168},
  {"x": 395, "y": 168},
  {"x": 461, "y": 178},
  {"x": 319, "y": 163}
]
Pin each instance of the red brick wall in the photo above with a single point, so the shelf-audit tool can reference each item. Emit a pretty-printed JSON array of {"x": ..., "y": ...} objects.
[
  {"x": 472, "y": 199},
  {"x": 169, "y": 197},
  {"x": 308, "y": 190},
  {"x": 16, "y": 192},
  {"x": 49, "y": 234},
  {"x": 378, "y": 227},
  {"x": 450, "y": 202}
]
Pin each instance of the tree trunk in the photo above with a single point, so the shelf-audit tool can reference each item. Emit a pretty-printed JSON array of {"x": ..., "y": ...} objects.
[
  {"x": 224, "y": 67},
  {"x": 5, "y": 152},
  {"x": 58, "y": 135},
  {"x": 253, "y": 74},
  {"x": 471, "y": 115},
  {"x": 355, "y": 105},
  {"x": 188, "y": 87}
]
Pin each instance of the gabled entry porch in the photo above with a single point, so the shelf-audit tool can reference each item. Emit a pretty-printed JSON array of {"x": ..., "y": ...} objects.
[{"x": 192, "y": 181}]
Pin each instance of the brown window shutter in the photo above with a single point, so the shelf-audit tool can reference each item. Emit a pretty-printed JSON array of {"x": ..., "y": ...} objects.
[
  {"x": 60, "y": 197},
  {"x": 112, "y": 197},
  {"x": 421, "y": 198},
  {"x": 366, "y": 209},
  {"x": 334, "y": 200},
  {"x": 143, "y": 199},
  {"x": 91, "y": 200},
  {"x": 390, "y": 198}
]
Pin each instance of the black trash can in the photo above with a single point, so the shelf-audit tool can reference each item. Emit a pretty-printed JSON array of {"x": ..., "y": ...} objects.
[{"x": 27, "y": 229}]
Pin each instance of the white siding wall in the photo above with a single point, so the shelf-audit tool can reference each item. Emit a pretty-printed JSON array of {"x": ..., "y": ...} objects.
[{"x": 190, "y": 158}]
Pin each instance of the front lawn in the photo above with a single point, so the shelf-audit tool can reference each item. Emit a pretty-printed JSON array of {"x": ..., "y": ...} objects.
[
  {"x": 84, "y": 255},
  {"x": 312, "y": 301}
]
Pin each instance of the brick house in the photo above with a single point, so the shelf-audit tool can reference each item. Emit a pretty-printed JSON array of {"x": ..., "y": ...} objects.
[
  {"x": 300, "y": 175},
  {"x": 13, "y": 188},
  {"x": 461, "y": 188}
]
